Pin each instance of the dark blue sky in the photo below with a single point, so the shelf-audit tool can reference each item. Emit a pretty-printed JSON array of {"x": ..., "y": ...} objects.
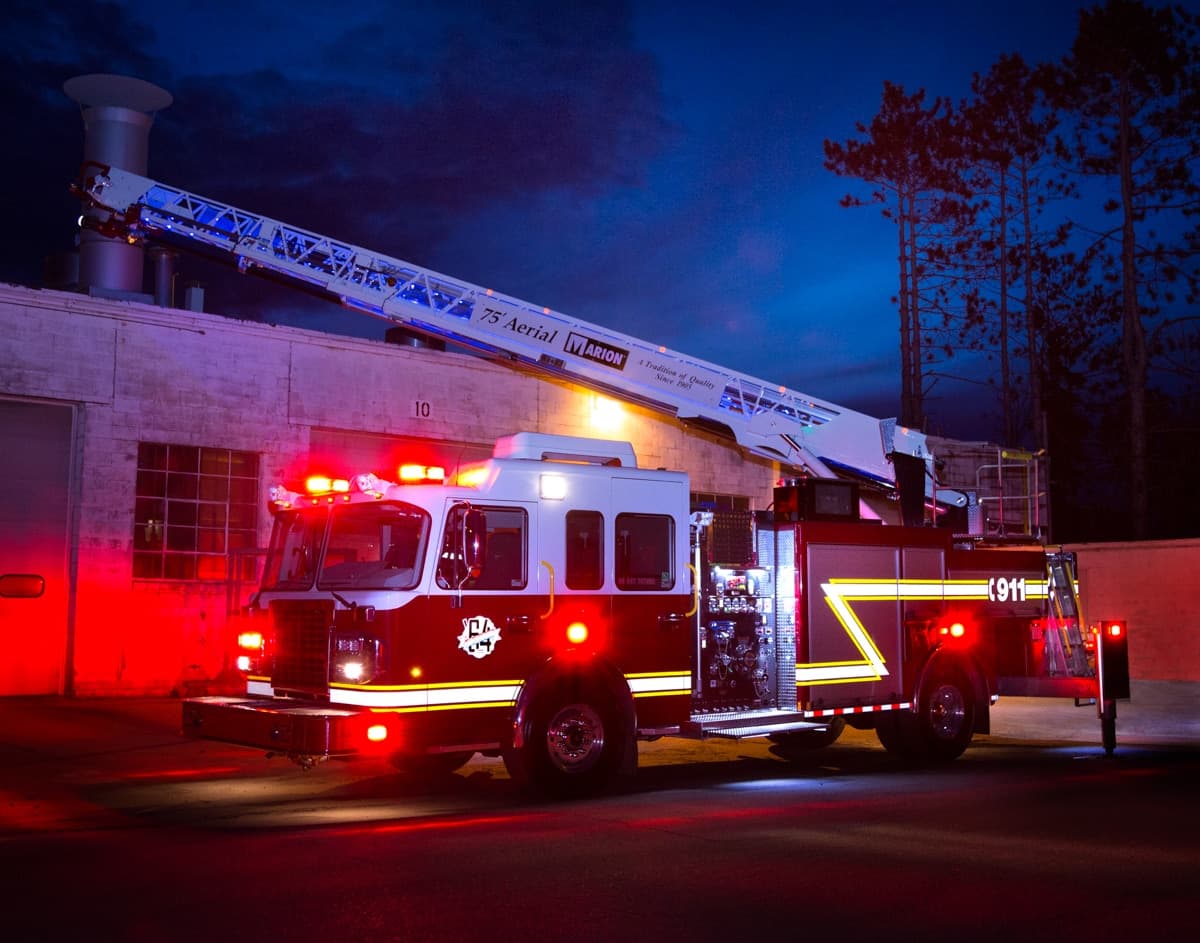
[{"x": 652, "y": 166}]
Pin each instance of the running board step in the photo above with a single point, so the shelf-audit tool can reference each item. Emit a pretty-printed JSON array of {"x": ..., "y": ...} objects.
[{"x": 743, "y": 728}]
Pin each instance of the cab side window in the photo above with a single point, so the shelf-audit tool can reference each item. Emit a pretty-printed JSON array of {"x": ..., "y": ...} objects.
[
  {"x": 645, "y": 551},
  {"x": 585, "y": 550},
  {"x": 505, "y": 538}
]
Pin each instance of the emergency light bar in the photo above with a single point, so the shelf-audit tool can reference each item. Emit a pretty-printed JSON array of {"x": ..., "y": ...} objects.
[
  {"x": 321, "y": 489},
  {"x": 422, "y": 474}
]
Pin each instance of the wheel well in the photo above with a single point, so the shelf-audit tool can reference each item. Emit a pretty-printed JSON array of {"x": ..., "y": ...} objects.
[
  {"x": 962, "y": 662},
  {"x": 596, "y": 675}
]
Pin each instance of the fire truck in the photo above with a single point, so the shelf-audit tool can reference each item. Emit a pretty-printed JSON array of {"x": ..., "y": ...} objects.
[{"x": 557, "y": 603}]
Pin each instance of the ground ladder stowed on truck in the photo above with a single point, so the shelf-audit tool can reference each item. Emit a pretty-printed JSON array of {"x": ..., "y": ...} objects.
[{"x": 556, "y": 603}]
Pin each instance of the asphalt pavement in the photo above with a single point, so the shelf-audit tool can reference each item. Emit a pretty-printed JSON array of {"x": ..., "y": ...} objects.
[{"x": 1158, "y": 713}]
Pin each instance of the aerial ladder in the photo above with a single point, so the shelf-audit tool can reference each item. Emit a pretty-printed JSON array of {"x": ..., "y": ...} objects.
[{"x": 767, "y": 419}]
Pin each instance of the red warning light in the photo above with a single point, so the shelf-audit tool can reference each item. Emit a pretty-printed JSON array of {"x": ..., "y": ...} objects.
[
  {"x": 323, "y": 484},
  {"x": 1115, "y": 629},
  {"x": 251, "y": 641},
  {"x": 577, "y": 633},
  {"x": 421, "y": 474},
  {"x": 377, "y": 733}
]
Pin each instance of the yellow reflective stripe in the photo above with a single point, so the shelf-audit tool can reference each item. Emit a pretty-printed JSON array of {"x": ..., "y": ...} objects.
[
  {"x": 442, "y": 696},
  {"x": 659, "y": 683},
  {"x": 459, "y": 695},
  {"x": 840, "y": 593}
]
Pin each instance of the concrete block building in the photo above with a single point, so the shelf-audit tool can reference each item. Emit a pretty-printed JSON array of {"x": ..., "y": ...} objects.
[{"x": 142, "y": 442}]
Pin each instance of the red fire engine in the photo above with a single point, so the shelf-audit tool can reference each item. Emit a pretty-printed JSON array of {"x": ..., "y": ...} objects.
[{"x": 556, "y": 604}]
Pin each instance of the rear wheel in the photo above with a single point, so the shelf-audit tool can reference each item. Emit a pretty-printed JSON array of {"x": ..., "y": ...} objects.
[
  {"x": 942, "y": 726},
  {"x": 573, "y": 742}
]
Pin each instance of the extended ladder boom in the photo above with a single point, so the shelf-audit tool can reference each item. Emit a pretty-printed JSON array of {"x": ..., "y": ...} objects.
[{"x": 767, "y": 419}]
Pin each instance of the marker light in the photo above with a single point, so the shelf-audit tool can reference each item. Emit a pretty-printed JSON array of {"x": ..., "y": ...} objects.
[
  {"x": 577, "y": 633},
  {"x": 1114, "y": 630},
  {"x": 243, "y": 663}
]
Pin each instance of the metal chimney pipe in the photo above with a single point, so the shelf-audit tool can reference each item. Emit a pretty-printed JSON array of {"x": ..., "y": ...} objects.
[
  {"x": 117, "y": 114},
  {"x": 163, "y": 261}
]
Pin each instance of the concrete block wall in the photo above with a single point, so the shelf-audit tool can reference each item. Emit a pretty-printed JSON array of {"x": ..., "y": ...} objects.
[
  {"x": 1148, "y": 584},
  {"x": 140, "y": 373}
]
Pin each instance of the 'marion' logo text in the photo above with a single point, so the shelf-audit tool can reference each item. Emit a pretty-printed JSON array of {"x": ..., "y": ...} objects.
[{"x": 598, "y": 352}]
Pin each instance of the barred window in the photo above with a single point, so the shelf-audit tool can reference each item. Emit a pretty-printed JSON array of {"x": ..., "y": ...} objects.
[
  {"x": 194, "y": 507},
  {"x": 708, "y": 501}
]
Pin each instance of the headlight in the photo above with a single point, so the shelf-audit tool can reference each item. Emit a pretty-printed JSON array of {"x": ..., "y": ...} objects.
[{"x": 357, "y": 658}]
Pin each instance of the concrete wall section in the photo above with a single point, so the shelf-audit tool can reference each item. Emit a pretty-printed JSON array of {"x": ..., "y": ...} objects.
[
  {"x": 1150, "y": 586},
  {"x": 137, "y": 373},
  {"x": 145, "y": 374}
]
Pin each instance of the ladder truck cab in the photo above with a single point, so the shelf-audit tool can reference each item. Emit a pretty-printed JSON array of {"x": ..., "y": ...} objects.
[{"x": 556, "y": 604}]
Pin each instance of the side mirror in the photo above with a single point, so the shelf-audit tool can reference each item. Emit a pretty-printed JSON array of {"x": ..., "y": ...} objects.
[
  {"x": 21, "y": 585},
  {"x": 474, "y": 542}
]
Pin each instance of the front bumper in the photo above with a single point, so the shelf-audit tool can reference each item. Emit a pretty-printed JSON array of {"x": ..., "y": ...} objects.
[{"x": 277, "y": 725}]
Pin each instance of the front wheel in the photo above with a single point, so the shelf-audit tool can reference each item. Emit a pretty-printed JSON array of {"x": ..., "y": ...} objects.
[
  {"x": 942, "y": 726},
  {"x": 573, "y": 742}
]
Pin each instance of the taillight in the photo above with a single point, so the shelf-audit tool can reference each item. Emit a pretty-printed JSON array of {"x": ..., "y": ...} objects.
[{"x": 1114, "y": 659}]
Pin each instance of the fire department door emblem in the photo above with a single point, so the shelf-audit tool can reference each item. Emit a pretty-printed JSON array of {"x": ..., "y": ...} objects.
[{"x": 479, "y": 636}]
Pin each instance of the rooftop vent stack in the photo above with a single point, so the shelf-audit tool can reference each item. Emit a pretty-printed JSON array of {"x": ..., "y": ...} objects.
[{"x": 117, "y": 114}]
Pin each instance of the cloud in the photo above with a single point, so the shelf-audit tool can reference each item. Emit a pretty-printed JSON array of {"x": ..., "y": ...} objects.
[{"x": 392, "y": 138}]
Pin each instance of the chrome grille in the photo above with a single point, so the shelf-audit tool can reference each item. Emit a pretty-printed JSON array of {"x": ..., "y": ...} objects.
[{"x": 301, "y": 644}]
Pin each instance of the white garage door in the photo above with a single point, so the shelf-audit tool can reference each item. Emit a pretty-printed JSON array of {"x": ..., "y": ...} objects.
[{"x": 35, "y": 445}]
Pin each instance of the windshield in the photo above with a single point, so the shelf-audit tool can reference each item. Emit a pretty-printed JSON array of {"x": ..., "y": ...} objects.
[
  {"x": 295, "y": 549},
  {"x": 375, "y": 546}
]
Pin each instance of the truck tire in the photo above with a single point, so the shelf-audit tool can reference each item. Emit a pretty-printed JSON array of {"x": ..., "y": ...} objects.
[
  {"x": 942, "y": 726},
  {"x": 573, "y": 742}
]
